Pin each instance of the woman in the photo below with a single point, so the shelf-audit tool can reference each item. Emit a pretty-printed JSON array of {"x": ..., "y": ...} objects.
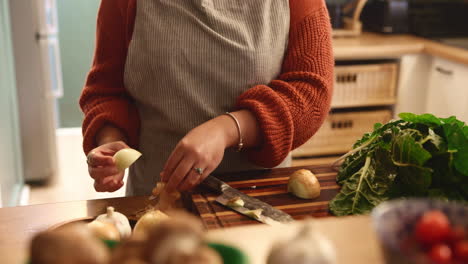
[{"x": 166, "y": 71}]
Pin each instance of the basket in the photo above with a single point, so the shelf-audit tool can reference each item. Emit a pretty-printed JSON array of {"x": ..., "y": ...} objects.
[
  {"x": 340, "y": 131},
  {"x": 365, "y": 85}
]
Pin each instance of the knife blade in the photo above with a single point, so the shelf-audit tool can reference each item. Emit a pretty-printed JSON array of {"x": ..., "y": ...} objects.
[{"x": 269, "y": 214}]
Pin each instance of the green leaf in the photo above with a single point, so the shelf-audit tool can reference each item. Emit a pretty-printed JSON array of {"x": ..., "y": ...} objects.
[
  {"x": 458, "y": 146},
  {"x": 377, "y": 126},
  {"x": 427, "y": 119},
  {"x": 437, "y": 143},
  {"x": 453, "y": 121},
  {"x": 407, "y": 152},
  {"x": 418, "y": 155},
  {"x": 415, "y": 180},
  {"x": 351, "y": 166},
  {"x": 366, "y": 188}
]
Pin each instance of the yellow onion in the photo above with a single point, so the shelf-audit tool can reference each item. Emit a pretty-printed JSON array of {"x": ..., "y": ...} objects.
[
  {"x": 304, "y": 184},
  {"x": 148, "y": 222}
]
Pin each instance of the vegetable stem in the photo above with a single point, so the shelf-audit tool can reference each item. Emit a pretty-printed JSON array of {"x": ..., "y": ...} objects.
[
  {"x": 351, "y": 152},
  {"x": 364, "y": 175}
]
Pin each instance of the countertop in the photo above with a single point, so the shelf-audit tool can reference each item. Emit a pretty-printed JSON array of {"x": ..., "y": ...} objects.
[
  {"x": 19, "y": 224},
  {"x": 373, "y": 45}
]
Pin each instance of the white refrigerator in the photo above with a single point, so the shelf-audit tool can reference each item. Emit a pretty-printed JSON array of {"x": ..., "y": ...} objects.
[{"x": 39, "y": 84}]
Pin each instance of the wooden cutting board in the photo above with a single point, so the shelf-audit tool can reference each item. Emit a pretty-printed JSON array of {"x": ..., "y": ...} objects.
[{"x": 270, "y": 186}]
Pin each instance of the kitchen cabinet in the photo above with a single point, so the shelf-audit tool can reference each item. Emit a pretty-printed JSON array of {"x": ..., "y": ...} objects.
[
  {"x": 447, "y": 93},
  {"x": 364, "y": 94},
  {"x": 412, "y": 83},
  {"x": 11, "y": 180}
]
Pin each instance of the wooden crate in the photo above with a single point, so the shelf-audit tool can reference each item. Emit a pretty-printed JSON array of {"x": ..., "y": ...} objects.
[
  {"x": 340, "y": 131},
  {"x": 365, "y": 85}
]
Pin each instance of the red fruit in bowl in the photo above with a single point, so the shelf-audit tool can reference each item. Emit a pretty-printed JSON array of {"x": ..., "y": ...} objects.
[
  {"x": 457, "y": 233},
  {"x": 432, "y": 227},
  {"x": 441, "y": 254},
  {"x": 460, "y": 251}
]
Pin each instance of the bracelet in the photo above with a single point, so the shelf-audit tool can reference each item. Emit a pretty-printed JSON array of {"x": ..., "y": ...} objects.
[{"x": 241, "y": 144}]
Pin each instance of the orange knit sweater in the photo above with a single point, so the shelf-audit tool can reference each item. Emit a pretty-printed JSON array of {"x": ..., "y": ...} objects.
[{"x": 290, "y": 109}]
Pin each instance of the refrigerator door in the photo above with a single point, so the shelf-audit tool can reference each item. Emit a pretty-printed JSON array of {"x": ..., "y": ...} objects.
[
  {"x": 47, "y": 17},
  {"x": 51, "y": 70},
  {"x": 11, "y": 177},
  {"x": 38, "y": 79}
]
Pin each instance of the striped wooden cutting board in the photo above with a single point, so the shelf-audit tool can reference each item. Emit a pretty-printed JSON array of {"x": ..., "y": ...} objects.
[{"x": 269, "y": 186}]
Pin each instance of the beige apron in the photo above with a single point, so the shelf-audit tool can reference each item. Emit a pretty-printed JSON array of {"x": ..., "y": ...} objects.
[{"x": 187, "y": 63}]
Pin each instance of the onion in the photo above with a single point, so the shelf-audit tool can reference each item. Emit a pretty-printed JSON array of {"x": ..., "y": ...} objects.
[
  {"x": 148, "y": 222},
  {"x": 126, "y": 157},
  {"x": 304, "y": 184},
  {"x": 235, "y": 202},
  {"x": 254, "y": 213}
]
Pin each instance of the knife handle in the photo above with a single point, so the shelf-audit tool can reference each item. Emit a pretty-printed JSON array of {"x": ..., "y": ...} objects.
[{"x": 214, "y": 184}]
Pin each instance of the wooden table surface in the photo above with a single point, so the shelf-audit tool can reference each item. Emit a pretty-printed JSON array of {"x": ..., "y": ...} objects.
[{"x": 19, "y": 224}]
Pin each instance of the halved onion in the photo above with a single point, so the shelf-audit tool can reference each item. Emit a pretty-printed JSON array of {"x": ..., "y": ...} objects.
[
  {"x": 126, "y": 157},
  {"x": 304, "y": 184}
]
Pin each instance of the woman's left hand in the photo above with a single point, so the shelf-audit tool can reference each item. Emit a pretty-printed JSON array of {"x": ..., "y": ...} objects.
[{"x": 201, "y": 149}]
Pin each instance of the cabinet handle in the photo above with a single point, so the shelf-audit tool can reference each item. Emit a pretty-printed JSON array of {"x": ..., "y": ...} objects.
[{"x": 444, "y": 71}]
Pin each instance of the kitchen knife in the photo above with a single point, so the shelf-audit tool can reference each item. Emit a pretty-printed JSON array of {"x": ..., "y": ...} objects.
[{"x": 269, "y": 214}]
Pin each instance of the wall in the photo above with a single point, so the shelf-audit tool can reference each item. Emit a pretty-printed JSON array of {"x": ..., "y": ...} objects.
[{"x": 77, "y": 27}]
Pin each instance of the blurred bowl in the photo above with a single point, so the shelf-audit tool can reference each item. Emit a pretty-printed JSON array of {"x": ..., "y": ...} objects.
[{"x": 394, "y": 222}]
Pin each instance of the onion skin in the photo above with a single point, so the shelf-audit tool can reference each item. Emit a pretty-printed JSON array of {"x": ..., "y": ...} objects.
[{"x": 304, "y": 184}]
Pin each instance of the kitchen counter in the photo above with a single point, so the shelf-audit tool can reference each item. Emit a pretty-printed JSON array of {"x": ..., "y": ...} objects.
[
  {"x": 374, "y": 46},
  {"x": 19, "y": 224}
]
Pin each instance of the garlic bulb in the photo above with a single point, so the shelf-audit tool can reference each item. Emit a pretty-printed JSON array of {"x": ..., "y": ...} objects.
[
  {"x": 148, "y": 222},
  {"x": 126, "y": 157},
  {"x": 104, "y": 230},
  {"x": 119, "y": 220},
  {"x": 308, "y": 247},
  {"x": 304, "y": 184}
]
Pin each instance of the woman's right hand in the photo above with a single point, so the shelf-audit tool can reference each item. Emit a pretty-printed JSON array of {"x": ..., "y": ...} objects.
[{"x": 102, "y": 168}]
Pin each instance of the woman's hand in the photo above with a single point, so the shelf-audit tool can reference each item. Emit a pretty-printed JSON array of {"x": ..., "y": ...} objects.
[
  {"x": 102, "y": 168},
  {"x": 203, "y": 147}
]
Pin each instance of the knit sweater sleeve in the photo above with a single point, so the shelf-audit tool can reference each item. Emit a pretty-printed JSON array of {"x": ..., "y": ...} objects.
[
  {"x": 104, "y": 99},
  {"x": 291, "y": 108}
]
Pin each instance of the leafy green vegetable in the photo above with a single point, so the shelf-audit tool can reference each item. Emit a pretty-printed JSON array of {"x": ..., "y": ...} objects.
[{"x": 418, "y": 155}]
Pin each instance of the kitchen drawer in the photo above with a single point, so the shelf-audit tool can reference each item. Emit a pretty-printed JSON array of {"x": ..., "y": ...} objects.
[
  {"x": 340, "y": 131},
  {"x": 365, "y": 85}
]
